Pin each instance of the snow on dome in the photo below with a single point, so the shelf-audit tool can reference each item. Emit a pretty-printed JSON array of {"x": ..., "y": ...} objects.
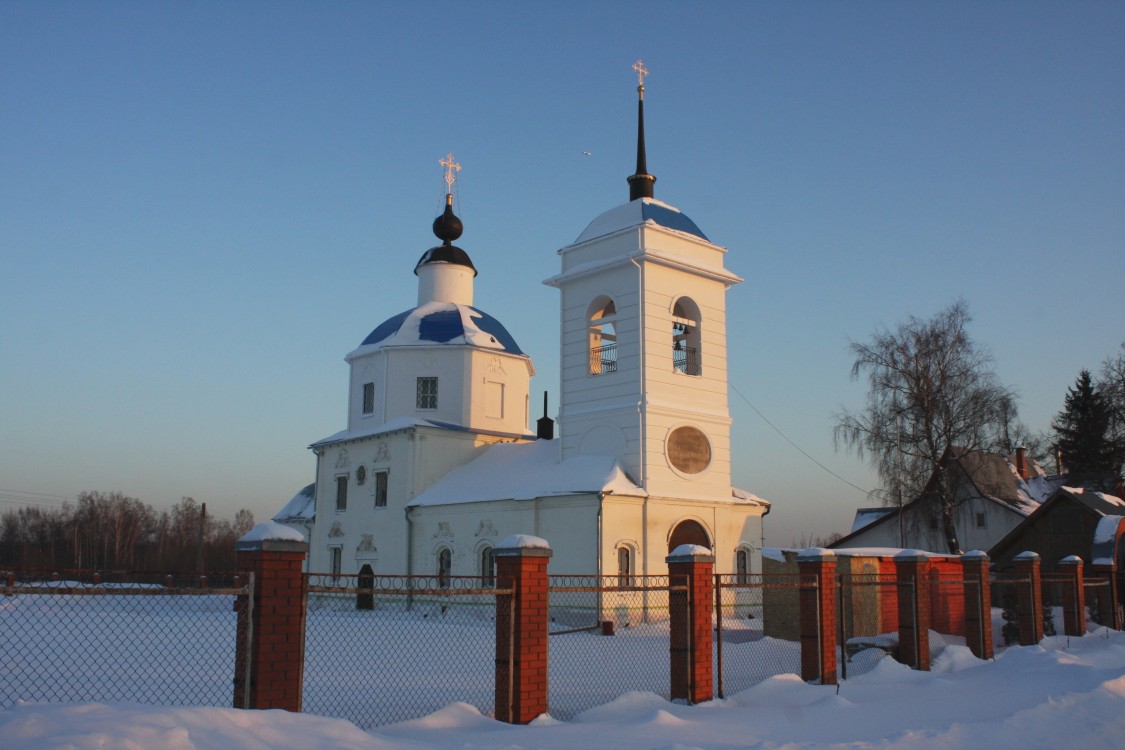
[
  {"x": 269, "y": 530},
  {"x": 523, "y": 541},
  {"x": 441, "y": 323},
  {"x": 635, "y": 213}
]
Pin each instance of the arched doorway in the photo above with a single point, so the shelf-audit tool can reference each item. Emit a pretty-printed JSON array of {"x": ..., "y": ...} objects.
[{"x": 688, "y": 532}]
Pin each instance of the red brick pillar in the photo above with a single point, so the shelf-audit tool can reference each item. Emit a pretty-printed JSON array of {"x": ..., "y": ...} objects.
[
  {"x": 691, "y": 571},
  {"x": 817, "y": 568},
  {"x": 1029, "y": 598},
  {"x": 1074, "y": 596},
  {"x": 978, "y": 603},
  {"x": 1107, "y": 595},
  {"x": 276, "y": 624},
  {"x": 521, "y": 628},
  {"x": 912, "y": 568}
]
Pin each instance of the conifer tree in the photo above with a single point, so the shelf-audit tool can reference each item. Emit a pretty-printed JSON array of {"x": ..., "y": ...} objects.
[{"x": 1090, "y": 453}]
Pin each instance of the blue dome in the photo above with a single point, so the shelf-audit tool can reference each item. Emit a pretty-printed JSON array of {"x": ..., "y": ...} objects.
[{"x": 443, "y": 323}]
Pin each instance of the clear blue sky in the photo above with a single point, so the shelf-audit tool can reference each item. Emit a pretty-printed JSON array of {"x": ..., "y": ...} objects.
[{"x": 204, "y": 206}]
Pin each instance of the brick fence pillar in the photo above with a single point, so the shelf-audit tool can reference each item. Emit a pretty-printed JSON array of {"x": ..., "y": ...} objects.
[
  {"x": 1074, "y": 596},
  {"x": 912, "y": 569},
  {"x": 691, "y": 571},
  {"x": 817, "y": 568},
  {"x": 1107, "y": 595},
  {"x": 521, "y": 628},
  {"x": 1029, "y": 598},
  {"x": 276, "y": 622},
  {"x": 978, "y": 603}
]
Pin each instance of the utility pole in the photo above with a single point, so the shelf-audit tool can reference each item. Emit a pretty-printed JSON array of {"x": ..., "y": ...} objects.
[{"x": 199, "y": 544}]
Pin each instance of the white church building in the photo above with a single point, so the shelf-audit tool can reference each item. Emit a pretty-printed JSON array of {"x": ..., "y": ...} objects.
[{"x": 437, "y": 462}]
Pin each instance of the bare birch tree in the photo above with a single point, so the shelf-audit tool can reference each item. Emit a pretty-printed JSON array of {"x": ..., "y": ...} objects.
[{"x": 932, "y": 395}]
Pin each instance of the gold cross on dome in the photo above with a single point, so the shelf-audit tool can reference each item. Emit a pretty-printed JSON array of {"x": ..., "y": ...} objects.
[
  {"x": 451, "y": 167},
  {"x": 642, "y": 71}
]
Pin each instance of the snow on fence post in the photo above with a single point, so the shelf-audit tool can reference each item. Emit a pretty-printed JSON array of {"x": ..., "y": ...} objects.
[
  {"x": 817, "y": 569},
  {"x": 978, "y": 603},
  {"x": 1074, "y": 596},
  {"x": 1029, "y": 598},
  {"x": 691, "y": 570},
  {"x": 276, "y": 618},
  {"x": 521, "y": 628},
  {"x": 912, "y": 569}
]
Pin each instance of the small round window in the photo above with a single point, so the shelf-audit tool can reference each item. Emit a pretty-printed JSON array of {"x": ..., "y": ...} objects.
[{"x": 689, "y": 450}]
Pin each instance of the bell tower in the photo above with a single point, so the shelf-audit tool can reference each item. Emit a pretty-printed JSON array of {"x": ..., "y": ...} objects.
[{"x": 644, "y": 345}]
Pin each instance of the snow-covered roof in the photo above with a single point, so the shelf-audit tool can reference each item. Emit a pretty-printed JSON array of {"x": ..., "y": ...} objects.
[
  {"x": 866, "y": 516},
  {"x": 301, "y": 508},
  {"x": 524, "y": 471},
  {"x": 270, "y": 531},
  {"x": 405, "y": 423},
  {"x": 440, "y": 323},
  {"x": 635, "y": 213}
]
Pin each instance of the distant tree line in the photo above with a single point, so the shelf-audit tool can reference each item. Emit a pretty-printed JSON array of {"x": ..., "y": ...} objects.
[{"x": 109, "y": 531}]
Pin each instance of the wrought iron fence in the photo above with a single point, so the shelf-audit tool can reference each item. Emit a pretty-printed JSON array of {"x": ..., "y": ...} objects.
[
  {"x": 608, "y": 636},
  {"x": 1012, "y": 602},
  {"x": 757, "y": 629},
  {"x": 603, "y": 359},
  {"x": 382, "y": 649},
  {"x": 685, "y": 360},
  {"x": 1098, "y": 601},
  {"x": 156, "y": 639},
  {"x": 867, "y": 620}
]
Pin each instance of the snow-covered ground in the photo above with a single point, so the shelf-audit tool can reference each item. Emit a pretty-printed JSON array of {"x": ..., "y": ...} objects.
[{"x": 1063, "y": 693}]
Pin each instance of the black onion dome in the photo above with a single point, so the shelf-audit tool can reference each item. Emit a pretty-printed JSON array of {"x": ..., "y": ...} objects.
[{"x": 447, "y": 227}]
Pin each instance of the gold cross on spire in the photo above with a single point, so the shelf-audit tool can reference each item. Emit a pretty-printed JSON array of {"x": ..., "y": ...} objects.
[
  {"x": 451, "y": 168},
  {"x": 642, "y": 71}
]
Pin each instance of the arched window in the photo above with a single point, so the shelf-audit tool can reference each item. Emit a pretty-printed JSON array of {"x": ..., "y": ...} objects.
[
  {"x": 602, "y": 335},
  {"x": 624, "y": 566},
  {"x": 487, "y": 566},
  {"x": 686, "y": 355},
  {"x": 688, "y": 532},
  {"x": 444, "y": 567},
  {"x": 742, "y": 565}
]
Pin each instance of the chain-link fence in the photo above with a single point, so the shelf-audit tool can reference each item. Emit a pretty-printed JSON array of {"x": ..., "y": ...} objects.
[
  {"x": 1008, "y": 598},
  {"x": 1098, "y": 601},
  {"x": 82, "y": 637},
  {"x": 867, "y": 619},
  {"x": 757, "y": 629},
  {"x": 381, "y": 649},
  {"x": 608, "y": 636}
]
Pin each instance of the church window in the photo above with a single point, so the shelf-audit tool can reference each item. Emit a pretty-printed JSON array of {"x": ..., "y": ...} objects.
[
  {"x": 368, "y": 398},
  {"x": 742, "y": 565},
  {"x": 427, "y": 393},
  {"x": 685, "y": 337},
  {"x": 624, "y": 566},
  {"x": 688, "y": 450},
  {"x": 982, "y": 520},
  {"x": 360, "y": 475},
  {"x": 602, "y": 335},
  {"x": 487, "y": 566},
  {"x": 342, "y": 492},
  {"x": 444, "y": 567},
  {"x": 380, "y": 489},
  {"x": 335, "y": 558}
]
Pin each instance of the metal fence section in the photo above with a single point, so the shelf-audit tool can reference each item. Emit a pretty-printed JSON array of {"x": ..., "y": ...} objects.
[
  {"x": 1057, "y": 590},
  {"x": 1006, "y": 597},
  {"x": 757, "y": 629},
  {"x": 608, "y": 636},
  {"x": 1097, "y": 595},
  {"x": 867, "y": 620},
  {"x": 163, "y": 640},
  {"x": 382, "y": 649}
]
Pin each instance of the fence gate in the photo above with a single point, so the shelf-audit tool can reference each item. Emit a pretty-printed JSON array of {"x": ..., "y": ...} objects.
[
  {"x": 382, "y": 649},
  {"x": 757, "y": 629},
  {"x": 608, "y": 636}
]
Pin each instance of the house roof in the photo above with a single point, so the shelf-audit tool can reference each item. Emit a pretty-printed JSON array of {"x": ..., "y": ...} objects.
[
  {"x": 301, "y": 508},
  {"x": 1097, "y": 503}
]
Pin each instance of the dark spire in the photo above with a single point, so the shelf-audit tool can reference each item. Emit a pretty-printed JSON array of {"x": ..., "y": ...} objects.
[{"x": 641, "y": 183}]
